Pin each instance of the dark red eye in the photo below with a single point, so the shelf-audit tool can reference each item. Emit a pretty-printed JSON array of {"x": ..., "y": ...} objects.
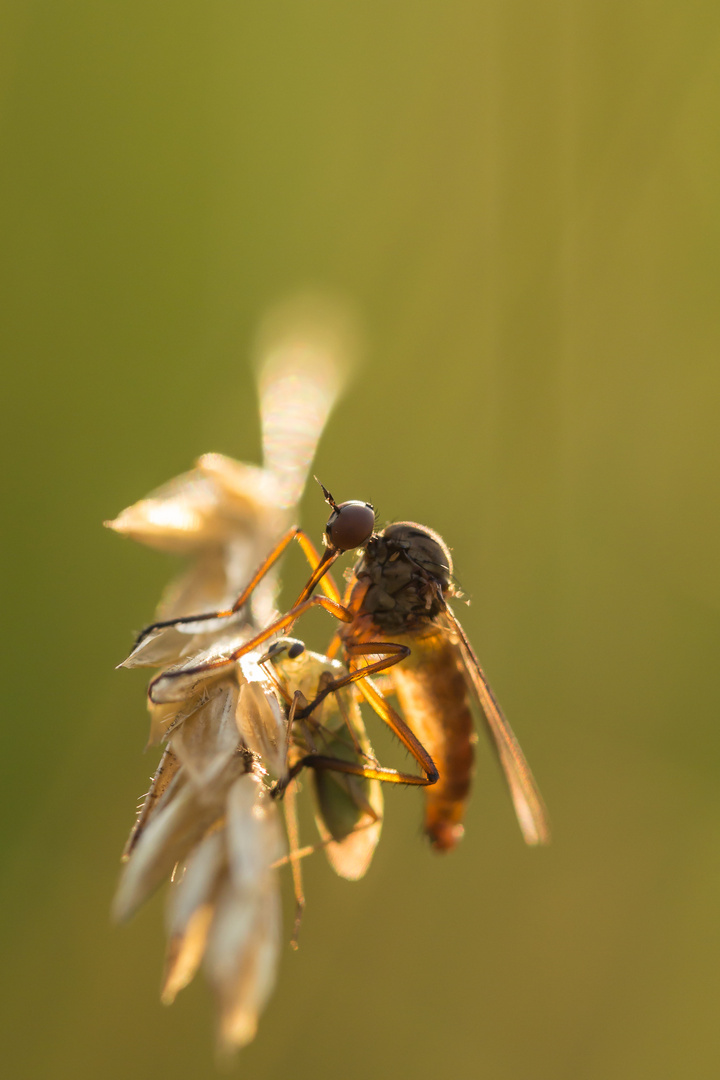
[{"x": 350, "y": 525}]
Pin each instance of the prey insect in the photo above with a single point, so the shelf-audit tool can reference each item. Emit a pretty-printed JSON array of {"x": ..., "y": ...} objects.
[{"x": 348, "y": 808}]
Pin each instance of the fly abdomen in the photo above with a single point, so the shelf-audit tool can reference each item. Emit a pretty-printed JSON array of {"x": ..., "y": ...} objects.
[{"x": 433, "y": 698}]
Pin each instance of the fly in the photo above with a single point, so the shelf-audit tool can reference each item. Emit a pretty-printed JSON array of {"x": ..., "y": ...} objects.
[{"x": 399, "y": 592}]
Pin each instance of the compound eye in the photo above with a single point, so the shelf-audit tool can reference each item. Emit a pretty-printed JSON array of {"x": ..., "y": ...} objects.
[
  {"x": 350, "y": 525},
  {"x": 289, "y": 645}
]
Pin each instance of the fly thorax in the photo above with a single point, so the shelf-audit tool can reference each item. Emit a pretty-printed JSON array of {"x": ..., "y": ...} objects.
[{"x": 408, "y": 569}]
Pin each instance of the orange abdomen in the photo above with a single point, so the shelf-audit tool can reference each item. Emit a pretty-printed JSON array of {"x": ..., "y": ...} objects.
[{"x": 433, "y": 698}]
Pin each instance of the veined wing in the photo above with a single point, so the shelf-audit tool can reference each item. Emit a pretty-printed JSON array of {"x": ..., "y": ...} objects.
[{"x": 529, "y": 806}]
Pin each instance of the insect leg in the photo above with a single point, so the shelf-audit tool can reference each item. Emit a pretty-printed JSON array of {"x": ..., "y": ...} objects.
[
  {"x": 293, "y": 832},
  {"x": 394, "y": 653},
  {"x": 274, "y": 628},
  {"x": 399, "y": 728},
  {"x": 386, "y": 713},
  {"x": 319, "y": 565},
  {"x": 369, "y": 772}
]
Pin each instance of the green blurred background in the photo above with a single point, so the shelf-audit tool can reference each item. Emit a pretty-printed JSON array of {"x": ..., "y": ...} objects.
[{"x": 522, "y": 202}]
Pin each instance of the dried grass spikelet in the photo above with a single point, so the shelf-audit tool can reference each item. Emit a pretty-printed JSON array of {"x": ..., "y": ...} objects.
[
  {"x": 208, "y": 727},
  {"x": 224, "y": 902},
  {"x": 207, "y": 821},
  {"x": 225, "y": 515},
  {"x": 244, "y": 936},
  {"x": 209, "y": 824},
  {"x": 225, "y": 908}
]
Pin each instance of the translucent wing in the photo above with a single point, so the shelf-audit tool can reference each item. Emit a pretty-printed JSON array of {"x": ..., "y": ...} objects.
[{"x": 529, "y": 806}]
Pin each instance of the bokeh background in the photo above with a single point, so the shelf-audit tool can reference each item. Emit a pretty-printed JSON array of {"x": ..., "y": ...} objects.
[{"x": 521, "y": 201}]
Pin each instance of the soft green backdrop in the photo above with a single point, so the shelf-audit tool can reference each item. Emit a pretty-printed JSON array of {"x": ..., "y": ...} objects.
[{"x": 522, "y": 201}]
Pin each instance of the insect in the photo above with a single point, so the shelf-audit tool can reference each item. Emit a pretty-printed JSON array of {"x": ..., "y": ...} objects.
[
  {"x": 396, "y": 609},
  {"x": 398, "y": 592},
  {"x": 348, "y": 808}
]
